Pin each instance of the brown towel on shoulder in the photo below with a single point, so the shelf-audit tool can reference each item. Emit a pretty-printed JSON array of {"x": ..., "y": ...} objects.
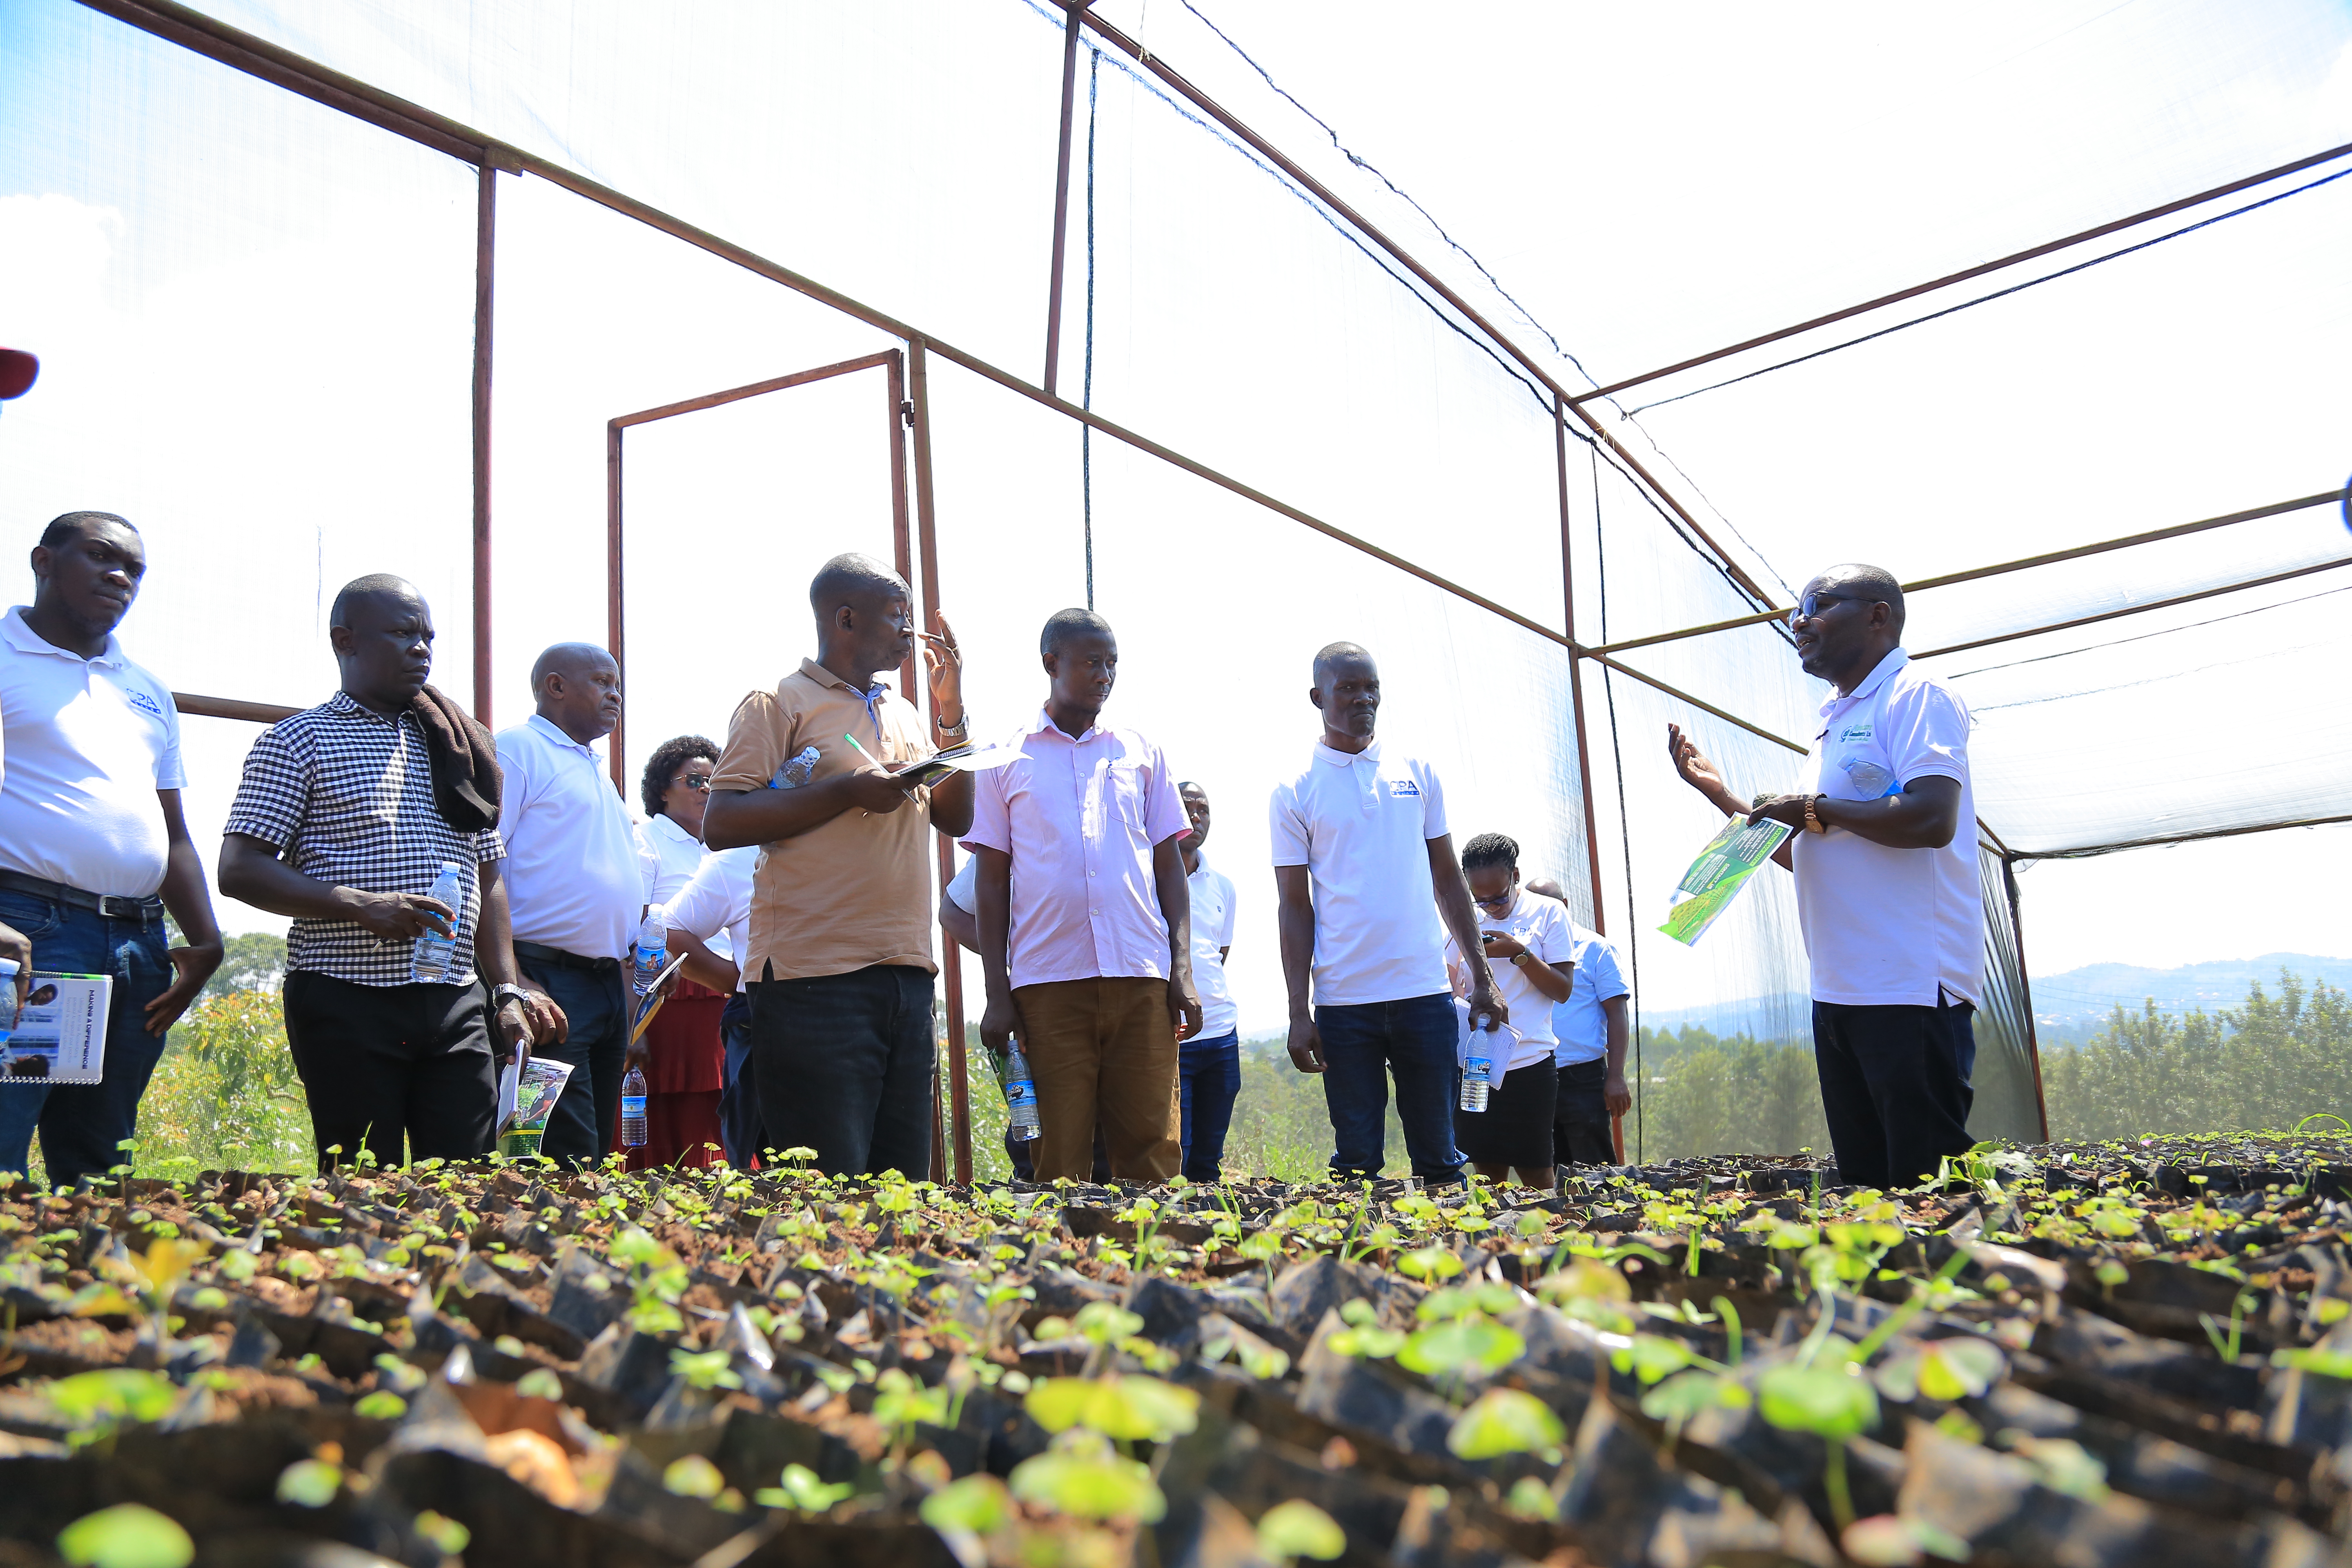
[{"x": 465, "y": 760}]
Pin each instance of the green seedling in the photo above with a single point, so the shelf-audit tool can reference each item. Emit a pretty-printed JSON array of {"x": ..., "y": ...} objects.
[
  {"x": 128, "y": 1535},
  {"x": 1297, "y": 1528},
  {"x": 801, "y": 1492},
  {"x": 1081, "y": 1477},
  {"x": 1506, "y": 1421}
]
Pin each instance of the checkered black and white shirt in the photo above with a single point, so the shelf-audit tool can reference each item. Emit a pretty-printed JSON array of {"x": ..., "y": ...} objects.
[{"x": 345, "y": 795}]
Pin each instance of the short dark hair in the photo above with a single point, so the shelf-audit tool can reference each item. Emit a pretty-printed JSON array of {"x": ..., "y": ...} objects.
[
  {"x": 374, "y": 586},
  {"x": 1870, "y": 585},
  {"x": 73, "y": 524},
  {"x": 849, "y": 575},
  {"x": 663, "y": 762},
  {"x": 1332, "y": 653},
  {"x": 1490, "y": 849},
  {"x": 1183, "y": 785},
  {"x": 566, "y": 656},
  {"x": 1063, "y": 624}
]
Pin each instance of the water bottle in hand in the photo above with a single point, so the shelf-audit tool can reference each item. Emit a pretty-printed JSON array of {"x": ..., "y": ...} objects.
[
  {"x": 434, "y": 952},
  {"x": 633, "y": 1109},
  {"x": 1020, "y": 1096},
  {"x": 649, "y": 953},
  {"x": 1477, "y": 1071}
]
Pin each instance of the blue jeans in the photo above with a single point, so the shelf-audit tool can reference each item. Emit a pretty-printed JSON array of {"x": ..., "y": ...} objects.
[
  {"x": 597, "y": 1007},
  {"x": 82, "y": 1123},
  {"x": 1363, "y": 1043},
  {"x": 1208, "y": 1076}
]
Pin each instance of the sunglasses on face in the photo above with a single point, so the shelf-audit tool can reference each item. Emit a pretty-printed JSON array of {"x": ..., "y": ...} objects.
[
  {"x": 697, "y": 781},
  {"x": 1810, "y": 608},
  {"x": 1490, "y": 903}
]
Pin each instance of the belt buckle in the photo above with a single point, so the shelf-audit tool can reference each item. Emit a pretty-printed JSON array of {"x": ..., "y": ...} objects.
[{"x": 117, "y": 907}]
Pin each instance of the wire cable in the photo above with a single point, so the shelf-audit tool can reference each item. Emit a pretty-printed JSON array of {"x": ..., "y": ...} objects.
[
  {"x": 1624, "y": 821},
  {"x": 1086, "y": 386}
]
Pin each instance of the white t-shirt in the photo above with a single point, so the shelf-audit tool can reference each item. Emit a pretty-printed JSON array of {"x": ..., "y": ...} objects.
[
  {"x": 1890, "y": 926},
  {"x": 666, "y": 856},
  {"x": 1212, "y": 932},
  {"x": 960, "y": 885},
  {"x": 716, "y": 898},
  {"x": 574, "y": 881},
  {"x": 1362, "y": 825},
  {"x": 1541, "y": 926},
  {"x": 86, "y": 744}
]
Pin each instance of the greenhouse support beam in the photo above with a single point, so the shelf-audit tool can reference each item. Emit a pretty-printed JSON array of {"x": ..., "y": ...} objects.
[
  {"x": 2025, "y": 988},
  {"x": 2166, "y": 603},
  {"x": 1062, "y": 200},
  {"x": 1575, "y": 669},
  {"x": 1321, "y": 192},
  {"x": 2177, "y": 531},
  {"x": 231, "y": 707},
  {"x": 1966, "y": 273},
  {"x": 485, "y": 217},
  {"x": 918, "y": 416},
  {"x": 1679, "y": 695}
]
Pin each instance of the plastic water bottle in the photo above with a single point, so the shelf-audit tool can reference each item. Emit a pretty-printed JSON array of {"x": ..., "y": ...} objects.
[
  {"x": 1477, "y": 1071},
  {"x": 649, "y": 952},
  {"x": 633, "y": 1109},
  {"x": 430, "y": 961},
  {"x": 1020, "y": 1096}
]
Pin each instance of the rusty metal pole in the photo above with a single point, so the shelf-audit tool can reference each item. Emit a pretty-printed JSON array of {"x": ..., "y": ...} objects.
[
  {"x": 919, "y": 417},
  {"x": 486, "y": 212},
  {"x": 1061, "y": 201},
  {"x": 1576, "y": 703},
  {"x": 2025, "y": 991},
  {"x": 901, "y": 543},
  {"x": 616, "y": 758}
]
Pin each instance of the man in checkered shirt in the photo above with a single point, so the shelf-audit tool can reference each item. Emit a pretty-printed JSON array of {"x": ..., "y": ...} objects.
[{"x": 335, "y": 823}]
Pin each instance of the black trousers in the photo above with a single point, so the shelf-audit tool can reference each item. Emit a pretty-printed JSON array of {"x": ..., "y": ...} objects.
[
  {"x": 1580, "y": 1117},
  {"x": 598, "y": 1010},
  {"x": 1895, "y": 1084},
  {"x": 842, "y": 1064},
  {"x": 384, "y": 1065}
]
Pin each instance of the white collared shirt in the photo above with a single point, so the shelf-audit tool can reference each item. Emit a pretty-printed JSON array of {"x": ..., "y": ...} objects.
[
  {"x": 87, "y": 742},
  {"x": 1212, "y": 932},
  {"x": 574, "y": 881},
  {"x": 1890, "y": 926},
  {"x": 668, "y": 856},
  {"x": 1361, "y": 824},
  {"x": 718, "y": 899}
]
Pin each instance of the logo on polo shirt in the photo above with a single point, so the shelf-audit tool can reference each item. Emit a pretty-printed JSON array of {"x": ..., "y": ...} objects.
[
  {"x": 143, "y": 703},
  {"x": 1853, "y": 733},
  {"x": 1402, "y": 787}
]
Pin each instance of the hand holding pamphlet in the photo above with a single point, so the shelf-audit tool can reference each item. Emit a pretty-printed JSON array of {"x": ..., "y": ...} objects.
[
  {"x": 529, "y": 1088},
  {"x": 60, "y": 1035},
  {"x": 1714, "y": 878},
  {"x": 964, "y": 759}
]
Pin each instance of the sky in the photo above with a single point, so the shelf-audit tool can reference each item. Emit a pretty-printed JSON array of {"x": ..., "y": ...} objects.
[{"x": 255, "y": 319}]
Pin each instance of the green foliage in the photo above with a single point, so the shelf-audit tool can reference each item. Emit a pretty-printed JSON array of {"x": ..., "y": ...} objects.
[
  {"x": 128, "y": 1535},
  {"x": 1081, "y": 1477},
  {"x": 1298, "y": 1529},
  {"x": 1705, "y": 1095},
  {"x": 2268, "y": 1064},
  {"x": 1506, "y": 1421},
  {"x": 1126, "y": 1407},
  {"x": 1827, "y": 1401},
  {"x": 252, "y": 962}
]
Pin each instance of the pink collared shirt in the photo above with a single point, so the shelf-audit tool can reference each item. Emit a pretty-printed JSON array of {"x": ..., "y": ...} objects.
[{"x": 1080, "y": 819}]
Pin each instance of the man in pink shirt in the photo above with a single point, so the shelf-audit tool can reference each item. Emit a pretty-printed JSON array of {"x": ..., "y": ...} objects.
[{"x": 1085, "y": 918}]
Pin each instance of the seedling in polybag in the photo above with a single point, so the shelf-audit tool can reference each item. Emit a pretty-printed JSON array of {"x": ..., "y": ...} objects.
[{"x": 1297, "y": 1528}]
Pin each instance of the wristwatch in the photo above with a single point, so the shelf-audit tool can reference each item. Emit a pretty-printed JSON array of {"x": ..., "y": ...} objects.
[
  {"x": 1813, "y": 823},
  {"x": 1519, "y": 960},
  {"x": 502, "y": 995},
  {"x": 958, "y": 730}
]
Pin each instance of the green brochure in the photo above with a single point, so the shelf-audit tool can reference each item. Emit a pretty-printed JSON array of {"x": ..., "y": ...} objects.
[{"x": 1714, "y": 878}]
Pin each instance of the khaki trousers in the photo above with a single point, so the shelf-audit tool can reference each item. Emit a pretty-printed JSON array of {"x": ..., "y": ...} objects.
[{"x": 1103, "y": 1051}]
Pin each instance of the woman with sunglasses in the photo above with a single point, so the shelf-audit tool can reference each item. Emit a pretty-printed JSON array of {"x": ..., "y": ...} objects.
[{"x": 684, "y": 1072}]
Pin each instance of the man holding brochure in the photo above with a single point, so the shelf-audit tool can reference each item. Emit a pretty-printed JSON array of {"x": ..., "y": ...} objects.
[{"x": 1884, "y": 854}]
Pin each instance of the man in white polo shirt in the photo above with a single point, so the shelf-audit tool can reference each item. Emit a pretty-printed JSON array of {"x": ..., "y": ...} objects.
[
  {"x": 93, "y": 847},
  {"x": 1886, "y": 882},
  {"x": 575, "y": 885},
  {"x": 1369, "y": 889}
]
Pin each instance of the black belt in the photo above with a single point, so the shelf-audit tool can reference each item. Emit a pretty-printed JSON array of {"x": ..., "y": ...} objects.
[
  {"x": 113, "y": 906},
  {"x": 539, "y": 952}
]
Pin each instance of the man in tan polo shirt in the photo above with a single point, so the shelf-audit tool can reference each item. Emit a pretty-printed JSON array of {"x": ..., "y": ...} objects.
[{"x": 840, "y": 964}]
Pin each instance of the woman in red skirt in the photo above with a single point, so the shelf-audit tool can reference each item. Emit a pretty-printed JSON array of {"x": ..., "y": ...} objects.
[{"x": 686, "y": 1067}]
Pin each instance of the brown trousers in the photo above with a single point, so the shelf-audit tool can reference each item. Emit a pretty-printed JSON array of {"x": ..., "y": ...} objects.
[{"x": 1103, "y": 1050}]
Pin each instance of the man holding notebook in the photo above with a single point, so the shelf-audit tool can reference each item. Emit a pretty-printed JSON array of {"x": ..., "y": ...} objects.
[
  {"x": 1085, "y": 918},
  {"x": 840, "y": 967}
]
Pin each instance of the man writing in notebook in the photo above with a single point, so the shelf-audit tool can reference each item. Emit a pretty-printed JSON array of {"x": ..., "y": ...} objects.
[{"x": 1085, "y": 918}]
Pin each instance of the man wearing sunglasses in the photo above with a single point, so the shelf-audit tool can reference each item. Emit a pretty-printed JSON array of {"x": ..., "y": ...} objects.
[{"x": 1886, "y": 881}]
